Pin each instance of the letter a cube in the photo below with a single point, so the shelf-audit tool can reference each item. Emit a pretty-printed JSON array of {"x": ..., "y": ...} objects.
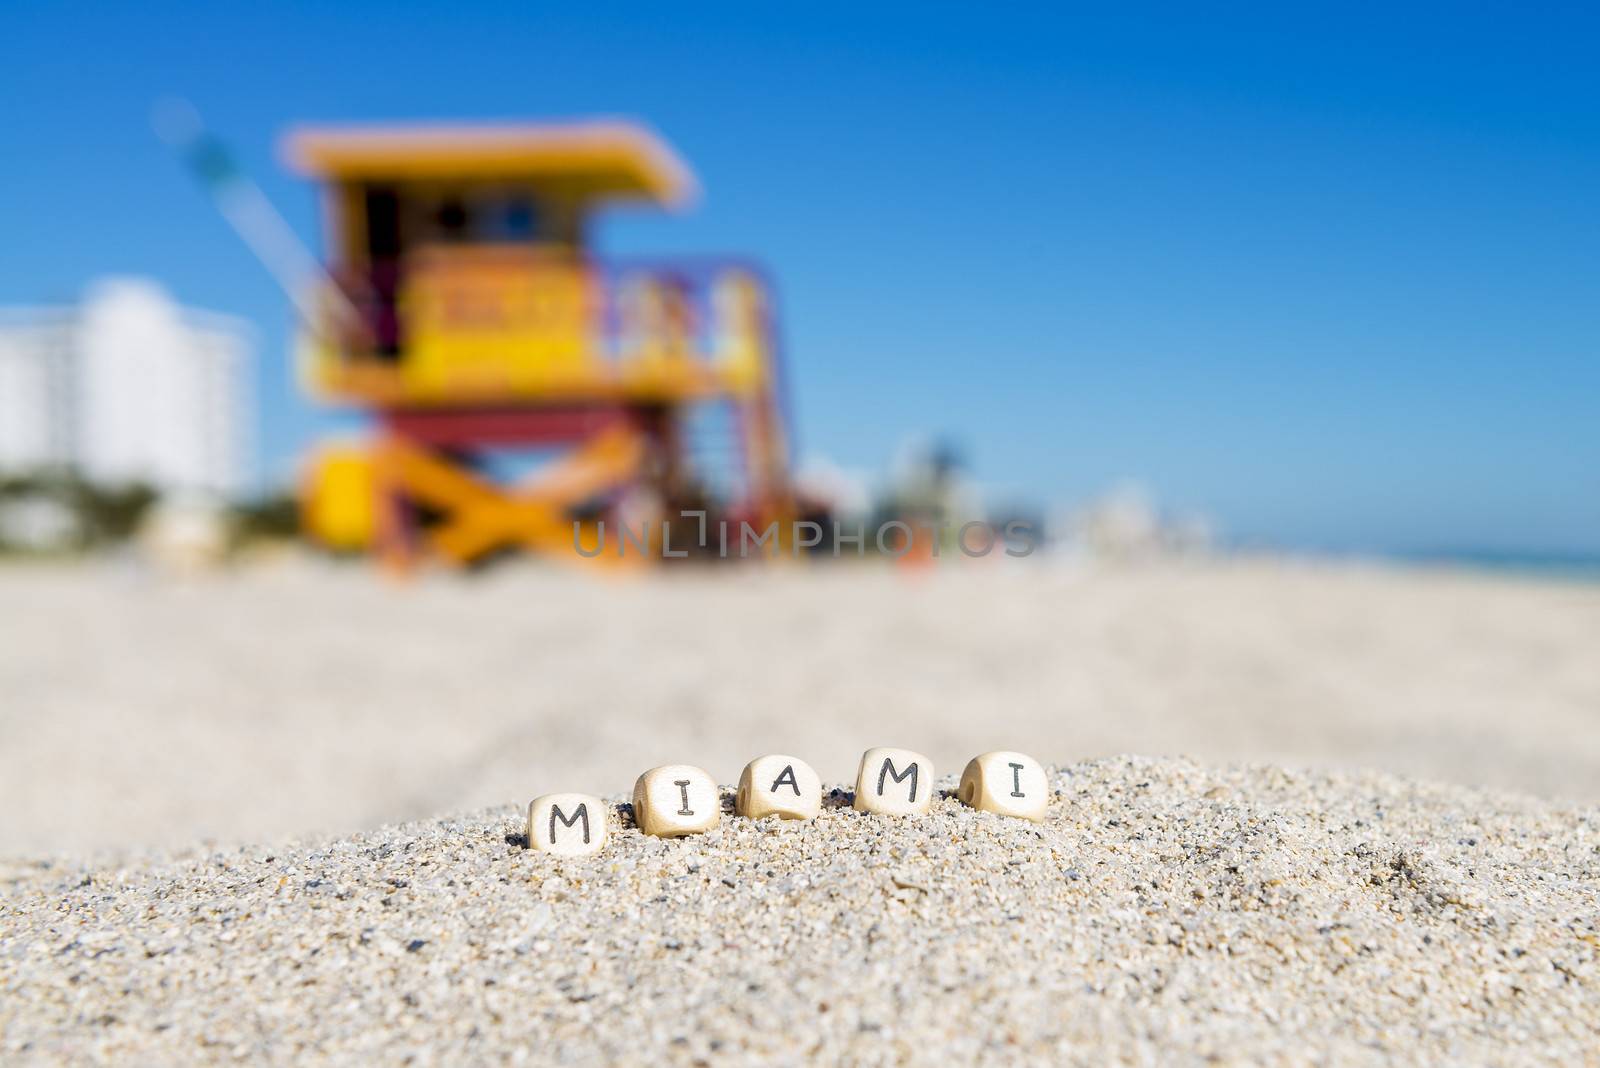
[
  {"x": 894, "y": 782},
  {"x": 778, "y": 786},
  {"x": 676, "y": 800},
  {"x": 569, "y": 825}
]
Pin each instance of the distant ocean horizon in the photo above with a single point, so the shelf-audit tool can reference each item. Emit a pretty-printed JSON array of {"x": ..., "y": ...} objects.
[
  {"x": 1564, "y": 566},
  {"x": 1554, "y": 566}
]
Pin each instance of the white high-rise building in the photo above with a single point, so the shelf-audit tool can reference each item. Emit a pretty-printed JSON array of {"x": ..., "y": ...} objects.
[{"x": 128, "y": 387}]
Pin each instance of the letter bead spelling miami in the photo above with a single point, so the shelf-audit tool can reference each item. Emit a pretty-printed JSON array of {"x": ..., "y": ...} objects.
[
  {"x": 778, "y": 786},
  {"x": 675, "y": 800},
  {"x": 894, "y": 782}
]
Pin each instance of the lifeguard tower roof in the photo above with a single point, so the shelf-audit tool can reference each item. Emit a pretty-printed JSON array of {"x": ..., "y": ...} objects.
[{"x": 608, "y": 158}]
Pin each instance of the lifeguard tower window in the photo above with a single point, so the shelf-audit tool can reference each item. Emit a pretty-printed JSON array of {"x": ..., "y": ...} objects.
[
  {"x": 451, "y": 221},
  {"x": 399, "y": 219},
  {"x": 516, "y": 220}
]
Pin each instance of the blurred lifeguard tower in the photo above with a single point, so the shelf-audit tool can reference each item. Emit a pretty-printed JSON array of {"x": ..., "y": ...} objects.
[{"x": 469, "y": 318}]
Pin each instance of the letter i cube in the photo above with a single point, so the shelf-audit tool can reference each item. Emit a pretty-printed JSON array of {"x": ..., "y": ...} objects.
[
  {"x": 676, "y": 800},
  {"x": 1011, "y": 784}
]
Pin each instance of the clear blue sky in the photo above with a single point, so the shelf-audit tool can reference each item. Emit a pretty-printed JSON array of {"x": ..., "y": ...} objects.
[{"x": 1330, "y": 276}]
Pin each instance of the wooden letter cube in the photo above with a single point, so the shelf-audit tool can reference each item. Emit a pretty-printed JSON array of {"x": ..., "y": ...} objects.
[
  {"x": 675, "y": 800},
  {"x": 570, "y": 825},
  {"x": 1008, "y": 783},
  {"x": 778, "y": 786},
  {"x": 894, "y": 782}
]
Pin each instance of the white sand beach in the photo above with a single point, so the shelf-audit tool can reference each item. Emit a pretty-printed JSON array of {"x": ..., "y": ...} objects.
[{"x": 278, "y": 701}]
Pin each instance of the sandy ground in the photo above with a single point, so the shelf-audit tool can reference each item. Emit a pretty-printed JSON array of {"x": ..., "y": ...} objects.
[
  {"x": 137, "y": 711},
  {"x": 1163, "y": 913},
  {"x": 1167, "y": 911}
]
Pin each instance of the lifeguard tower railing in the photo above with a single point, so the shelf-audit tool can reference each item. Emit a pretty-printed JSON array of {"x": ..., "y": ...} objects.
[
  {"x": 456, "y": 341},
  {"x": 480, "y": 324}
]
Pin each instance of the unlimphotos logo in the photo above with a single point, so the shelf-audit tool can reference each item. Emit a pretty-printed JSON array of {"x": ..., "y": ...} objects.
[{"x": 894, "y": 538}]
